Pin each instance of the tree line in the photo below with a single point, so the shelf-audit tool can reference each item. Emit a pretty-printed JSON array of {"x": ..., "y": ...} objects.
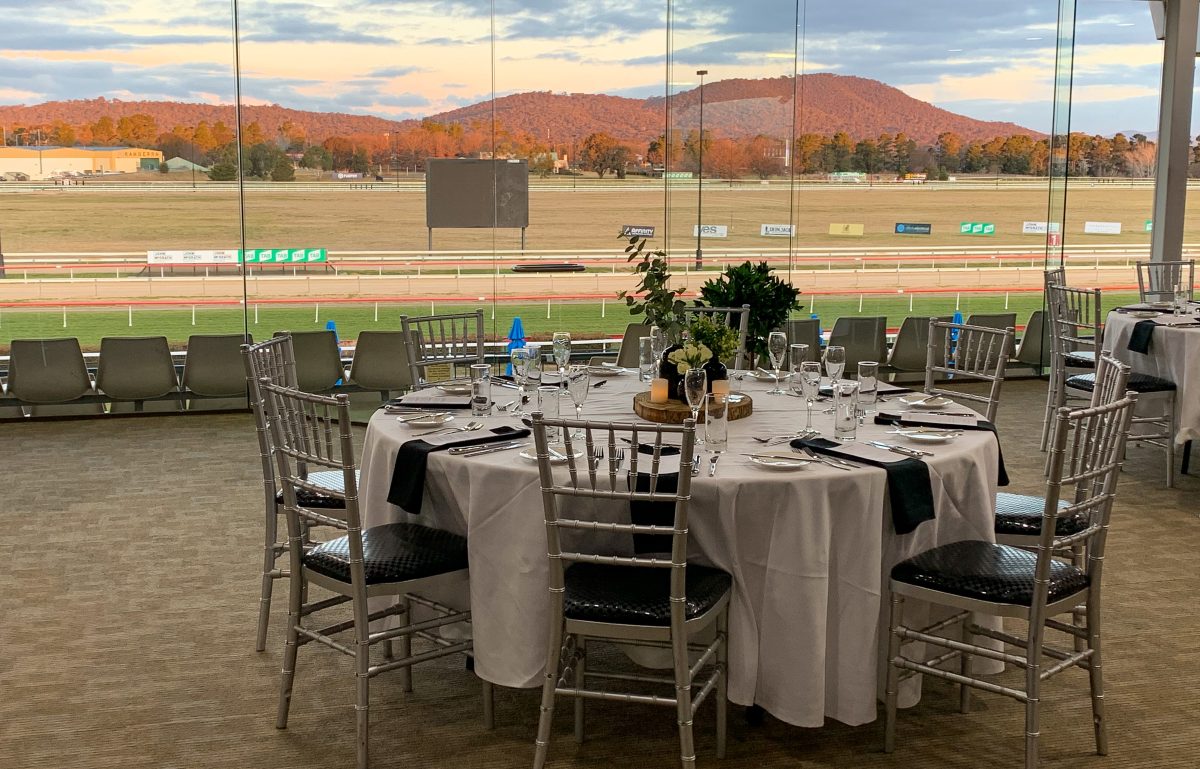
[{"x": 276, "y": 156}]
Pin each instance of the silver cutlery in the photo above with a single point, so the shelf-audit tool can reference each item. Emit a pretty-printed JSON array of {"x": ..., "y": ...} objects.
[
  {"x": 620, "y": 457},
  {"x": 422, "y": 415},
  {"x": 597, "y": 456},
  {"x": 837, "y": 464},
  {"x": 487, "y": 448},
  {"x": 906, "y": 451},
  {"x": 712, "y": 465},
  {"x": 696, "y": 465},
  {"x": 506, "y": 406},
  {"x": 468, "y": 427}
]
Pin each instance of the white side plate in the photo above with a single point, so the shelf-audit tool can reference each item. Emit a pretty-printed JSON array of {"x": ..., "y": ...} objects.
[{"x": 779, "y": 463}]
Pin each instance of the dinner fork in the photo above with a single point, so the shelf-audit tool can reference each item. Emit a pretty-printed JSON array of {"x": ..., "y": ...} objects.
[
  {"x": 620, "y": 457},
  {"x": 465, "y": 428},
  {"x": 597, "y": 455}
]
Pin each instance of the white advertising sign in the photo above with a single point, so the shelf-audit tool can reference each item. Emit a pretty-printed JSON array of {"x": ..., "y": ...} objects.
[
  {"x": 1039, "y": 228},
  {"x": 778, "y": 230},
  {"x": 221, "y": 256},
  {"x": 710, "y": 230},
  {"x": 1102, "y": 228}
]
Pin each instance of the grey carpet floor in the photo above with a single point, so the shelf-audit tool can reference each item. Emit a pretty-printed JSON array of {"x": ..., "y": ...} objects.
[{"x": 130, "y": 588}]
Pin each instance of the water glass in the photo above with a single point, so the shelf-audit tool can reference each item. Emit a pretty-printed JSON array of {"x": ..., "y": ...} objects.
[
  {"x": 695, "y": 387},
  {"x": 1183, "y": 295},
  {"x": 647, "y": 363},
  {"x": 561, "y": 345},
  {"x": 797, "y": 354},
  {"x": 481, "y": 389},
  {"x": 533, "y": 365},
  {"x": 716, "y": 423},
  {"x": 845, "y": 410},
  {"x": 868, "y": 386},
  {"x": 810, "y": 384},
  {"x": 776, "y": 349},
  {"x": 518, "y": 357},
  {"x": 835, "y": 362},
  {"x": 548, "y": 398},
  {"x": 658, "y": 344}
]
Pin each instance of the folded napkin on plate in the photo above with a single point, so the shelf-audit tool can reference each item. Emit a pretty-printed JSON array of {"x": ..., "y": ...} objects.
[
  {"x": 408, "y": 475},
  {"x": 1139, "y": 338},
  {"x": 944, "y": 420},
  {"x": 655, "y": 513},
  {"x": 908, "y": 483},
  {"x": 434, "y": 398}
]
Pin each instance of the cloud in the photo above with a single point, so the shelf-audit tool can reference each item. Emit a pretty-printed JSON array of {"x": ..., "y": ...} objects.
[{"x": 390, "y": 72}]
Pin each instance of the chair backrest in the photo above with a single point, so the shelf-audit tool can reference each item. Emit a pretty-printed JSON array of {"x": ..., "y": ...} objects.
[
  {"x": 629, "y": 356},
  {"x": 381, "y": 361},
  {"x": 1034, "y": 349},
  {"x": 448, "y": 340},
  {"x": 312, "y": 432},
  {"x": 317, "y": 358},
  {"x": 1075, "y": 319},
  {"x": 737, "y": 318},
  {"x": 1054, "y": 276},
  {"x": 805, "y": 331},
  {"x": 865, "y": 338},
  {"x": 1112, "y": 376},
  {"x": 1157, "y": 281},
  {"x": 47, "y": 370},
  {"x": 134, "y": 368},
  {"x": 214, "y": 365},
  {"x": 581, "y": 489},
  {"x": 1086, "y": 452},
  {"x": 961, "y": 353},
  {"x": 999, "y": 320},
  {"x": 911, "y": 348},
  {"x": 272, "y": 361}
]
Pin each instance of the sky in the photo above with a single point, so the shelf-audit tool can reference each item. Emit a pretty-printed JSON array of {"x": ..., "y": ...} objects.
[{"x": 402, "y": 59}]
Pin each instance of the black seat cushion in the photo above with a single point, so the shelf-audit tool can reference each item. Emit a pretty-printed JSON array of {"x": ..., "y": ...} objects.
[
  {"x": 330, "y": 480},
  {"x": 394, "y": 552},
  {"x": 1081, "y": 359},
  {"x": 634, "y": 595},
  {"x": 1139, "y": 383},
  {"x": 986, "y": 572},
  {"x": 1021, "y": 515}
]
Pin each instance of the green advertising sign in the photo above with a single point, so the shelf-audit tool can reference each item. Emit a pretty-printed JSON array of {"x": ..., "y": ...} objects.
[
  {"x": 286, "y": 256},
  {"x": 976, "y": 228},
  {"x": 1149, "y": 225}
]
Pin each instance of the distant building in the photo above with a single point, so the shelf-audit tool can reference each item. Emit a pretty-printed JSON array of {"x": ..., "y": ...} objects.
[
  {"x": 44, "y": 162},
  {"x": 181, "y": 164}
]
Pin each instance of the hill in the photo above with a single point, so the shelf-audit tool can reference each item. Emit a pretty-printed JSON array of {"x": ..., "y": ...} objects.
[{"x": 736, "y": 108}]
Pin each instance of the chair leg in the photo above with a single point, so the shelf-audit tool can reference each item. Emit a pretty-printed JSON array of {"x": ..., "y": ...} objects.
[
  {"x": 964, "y": 666},
  {"x": 580, "y": 678},
  {"x": 489, "y": 705},
  {"x": 1033, "y": 670},
  {"x": 723, "y": 680},
  {"x": 893, "y": 674},
  {"x": 270, "y": 554},
  {"x": 683, "y": 700},
  {"x": 290, "y": 647},
  {"x": 406, "y": 648},
  {"x": 1096, "y": 674},
  {"x": 549, "y": 684},
  {"x": 362, "y": 664},
  {"x": 1052, "y": 390},
  {"x": 1170, "y": 441}
]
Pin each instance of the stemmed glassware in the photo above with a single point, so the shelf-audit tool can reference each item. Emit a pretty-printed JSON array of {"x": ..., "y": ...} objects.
[
  {"x": 776, "y": 348},
  {"x": 561, "y": 347},
  {"x": 578, "y": 381},
  {"x": 533, "y": 368},
  {"x": 835, "y": 362},
  {"x": 810, "y": 384},
  {"x": 658, "y": 345},
  {"x": 695, "y": 387},
  {"x": 518, "y": 357}
]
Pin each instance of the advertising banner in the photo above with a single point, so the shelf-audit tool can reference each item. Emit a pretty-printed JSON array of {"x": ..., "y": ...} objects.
[
  {"x": 976, "y": 228},
  {"x": 190, "y": 258},
  {"x": 1102, "y": 228},
  {"x": 639, "y": 230},
  {"x": 913, "y": 228},
  {"x": 777, "y": 230},
  {"x": 855, "y": 230},
  {"x": 711, "y": 230}
]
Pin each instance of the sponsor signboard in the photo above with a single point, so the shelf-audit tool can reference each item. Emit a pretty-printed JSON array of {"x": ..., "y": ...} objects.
[
  {"x": 286, "y": 256},
  {"x": 638, "y": 230},
  {"x": 1039, "y": 228},
  {"x": 976, "y": 228},
  {"x": 777, "y": 230},
  {"x": 1054, "y": 239},
  {"x": 1102, "y": 228},
  {"x": 1149, "y": 225},
  {"x": 914, "y": 228},
  {"x": 710, "y": 230},
  {"x": 189, "y": 258},
  {"x": 854, "y": 230}
]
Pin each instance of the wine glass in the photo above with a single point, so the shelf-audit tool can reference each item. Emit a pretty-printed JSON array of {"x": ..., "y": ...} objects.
[
  {"x": 810, "y": 384},
  {"x": 776, "y": 347},
  {"x": 533, "y": 367},
  {"x": 695, "y": 387},
  {"x": 835, "y": 362},
  {"x": 518, "y": 357},
  {"x": 578, "y": 381},
  {"x": 561, "y": 345},
  {"x": 658, "y": 344}
]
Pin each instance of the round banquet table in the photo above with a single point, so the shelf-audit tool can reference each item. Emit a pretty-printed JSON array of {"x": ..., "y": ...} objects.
[
  {"x": 809, "y": 550},
  {"x": 1174, "y": 355}
]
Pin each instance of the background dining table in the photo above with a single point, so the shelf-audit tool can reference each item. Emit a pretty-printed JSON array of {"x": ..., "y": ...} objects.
[
  {"x": 809, "y": 548},
  {"x": 1173, "y": 354}
]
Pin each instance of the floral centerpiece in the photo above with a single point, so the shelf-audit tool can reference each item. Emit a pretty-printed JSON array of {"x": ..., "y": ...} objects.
[{"x": 689, "y": 356}]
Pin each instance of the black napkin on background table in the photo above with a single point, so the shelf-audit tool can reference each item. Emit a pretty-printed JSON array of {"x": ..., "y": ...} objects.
[
  {"x": 982, "y": 424},
  {"x": 1139, "y": 338},
  {"x": 907, "y": 482},
  {"x": 408, "y": 475},
  {"x": 446, "y": 402},
  {"x": 655, "y": 513}
]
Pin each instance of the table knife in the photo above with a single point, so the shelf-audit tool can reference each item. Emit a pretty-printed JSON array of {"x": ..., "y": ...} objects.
[
  {"x": 900, "y": 449},
  {"x": 712, "y": 465},
  {"x": 486, "y": 448}
]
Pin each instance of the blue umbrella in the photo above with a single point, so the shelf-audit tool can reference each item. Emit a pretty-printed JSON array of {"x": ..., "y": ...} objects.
[
  {"x": 516, "y": 339},
  {"x": 332, "y": 326}
]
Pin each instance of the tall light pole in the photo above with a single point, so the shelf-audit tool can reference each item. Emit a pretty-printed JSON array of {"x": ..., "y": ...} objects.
[{"x": 700, "y": 179}]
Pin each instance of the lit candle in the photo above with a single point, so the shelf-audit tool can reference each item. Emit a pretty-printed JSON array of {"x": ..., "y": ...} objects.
[
  {"x": 658, "y": 391},
  {"x": 720, "y": 387}
]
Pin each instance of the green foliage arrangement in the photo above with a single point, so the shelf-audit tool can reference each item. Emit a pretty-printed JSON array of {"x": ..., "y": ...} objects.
[
  {"x": 690, "y": 356},
  {"x": 718, "y": 337},
  {"x": 771, "y": 300},
  {"x": 653, "y": 299}
]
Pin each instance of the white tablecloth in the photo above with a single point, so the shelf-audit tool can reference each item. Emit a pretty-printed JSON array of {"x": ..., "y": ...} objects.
[
  {"x": 809, "y": 551},
  {"x": 1174, "y": 355}
]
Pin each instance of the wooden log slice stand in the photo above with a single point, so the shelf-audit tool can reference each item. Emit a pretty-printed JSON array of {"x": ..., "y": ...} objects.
[{"x": 675, "y": 412}]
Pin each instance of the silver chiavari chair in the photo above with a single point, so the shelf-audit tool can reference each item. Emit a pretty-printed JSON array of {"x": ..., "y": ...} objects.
[
  {"x": 274, "y": 360},
  {"x": 980, "y": 577},
  {"x": 1076, "y": 334},
  {"x": 1157, "y": 281},
  {"x": 394, "y": 559},
  {"x": 656, "y": 599},
  {"x": 442, "y": 341},
  {"x": 736, "y": 318},
  {"x": 961, "y": 354}
]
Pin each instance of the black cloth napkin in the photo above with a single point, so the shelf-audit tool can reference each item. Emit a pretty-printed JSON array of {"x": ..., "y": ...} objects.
[
  {"x": 1139, "y": 339},
  {"x": 982, "y": 424},
  {"x": 408, "y": 475},
  {"x": 655, "y": 513},
  {"x": 458, "y": 402},
  {"x": 908, "y": 483},
  {"x": 885, "y": 390}
]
